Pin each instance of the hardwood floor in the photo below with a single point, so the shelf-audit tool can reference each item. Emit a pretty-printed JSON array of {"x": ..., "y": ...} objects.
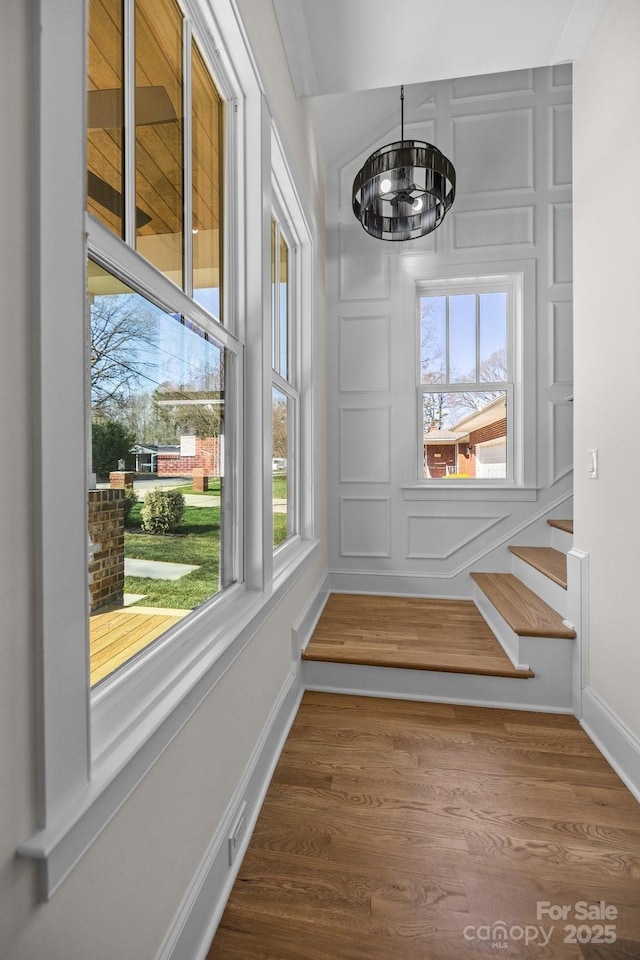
[
  {"x": 405, "y": 831},
  {"x": 412, "y": 632}
]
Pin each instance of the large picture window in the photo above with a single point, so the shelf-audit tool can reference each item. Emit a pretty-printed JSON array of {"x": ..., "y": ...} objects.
[
  {"x": 160, "y": 362},
  {"x": 466, "y": 381}
]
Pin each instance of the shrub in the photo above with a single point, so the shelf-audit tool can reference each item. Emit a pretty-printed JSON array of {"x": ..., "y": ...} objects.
[
  {"x": 162, "y": 511},
  {"x": 130, "y": 499},
  {"x": 110, "y": 442}
]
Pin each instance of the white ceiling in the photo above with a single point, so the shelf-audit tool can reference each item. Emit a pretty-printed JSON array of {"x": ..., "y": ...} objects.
[{"x": 341, "y": 46}]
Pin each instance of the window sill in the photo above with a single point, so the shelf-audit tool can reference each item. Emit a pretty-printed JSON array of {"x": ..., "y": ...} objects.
[
  {"x": 166, "y": 686},
  {"x": 450, "y": 490}
]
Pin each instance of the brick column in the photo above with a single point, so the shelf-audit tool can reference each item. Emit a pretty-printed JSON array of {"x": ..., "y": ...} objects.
[
  {"x": 199, "y": 480},
  {"x": 106, "y": 532},
  {"x": 121, "y": 478}
]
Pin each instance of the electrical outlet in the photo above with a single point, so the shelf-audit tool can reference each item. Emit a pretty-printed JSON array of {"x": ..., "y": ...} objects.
[
  {"x": 237, "y": 832},
  {"x": 592, "y": 464}
]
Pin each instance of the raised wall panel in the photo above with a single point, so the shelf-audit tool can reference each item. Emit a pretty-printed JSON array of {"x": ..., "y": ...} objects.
[
  {"x": 561, "y": 343},
  {"x": 364, "y": 354},
  {"x": 494, "y": 152},
  {"x": 561, "y": 439},
  {"x": 492, "y": 85},
  {"x": 492, "y": 228},
  {"x": 560, "y": 170},
  {"x": 561, "y": 243},
  {"x": 436, "y": 537},
  {"x": 364, "y": 265},
  {"x": 364, "y": 445},
  {"x": 365, "y": 527},
  {"x": 561, "y": 76}
]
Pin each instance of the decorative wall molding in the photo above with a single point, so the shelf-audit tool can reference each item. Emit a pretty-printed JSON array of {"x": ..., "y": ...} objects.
[
  {"x": 561, "y": 77},
  {"x": 365, "y": 527},
  {"x": 363, "y": 354},
  {"x": 363, "y": 265},
  {"x": 560, "y": 243},
  {"x": 560, "y": 165},
  {"x": 495, "y": 170},
  {"x": 364, "y": 444},
  {"x": 561, "y": 343},
  {"x": 560, "y": 439},
  {"x": 503, "y": 226},
  {"x": 492, "y": 86},
  {"x": 441, "y": 529}
]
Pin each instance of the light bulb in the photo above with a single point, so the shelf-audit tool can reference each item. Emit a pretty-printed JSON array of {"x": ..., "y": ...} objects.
[
  {"x": 417, "y": 206},
  {"x": 385, "y": 186}
]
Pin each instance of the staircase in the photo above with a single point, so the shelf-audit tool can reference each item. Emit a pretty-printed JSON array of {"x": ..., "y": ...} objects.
[{"x": 525, "y": 607}]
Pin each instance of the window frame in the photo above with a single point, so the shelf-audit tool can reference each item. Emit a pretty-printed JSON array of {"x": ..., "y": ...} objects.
[
  {"x": 287, "y": 385},
  {"x": 515, "y": 388},
  {"x": 94, "y": 748}
]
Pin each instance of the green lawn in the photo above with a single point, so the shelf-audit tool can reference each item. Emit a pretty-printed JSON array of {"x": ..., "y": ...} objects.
[{"x": 197, "y": 542}]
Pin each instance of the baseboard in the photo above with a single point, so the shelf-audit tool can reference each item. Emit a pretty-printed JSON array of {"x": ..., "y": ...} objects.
[
  {"x": 619, "y": 746},
  {"x": 306, "y": 623},
  {"x": 199, "y": 914}
]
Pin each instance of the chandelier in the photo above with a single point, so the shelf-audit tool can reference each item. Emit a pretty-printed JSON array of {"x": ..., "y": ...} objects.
[{"x": 404, "y": 189}]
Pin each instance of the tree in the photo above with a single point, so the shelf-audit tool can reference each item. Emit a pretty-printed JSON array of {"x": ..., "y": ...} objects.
[
  {"x": 110, "y": 443},
  {"x": 279, "y": 420},
  {"x": 493, "y": 370},
  {"x": 121, "y": 330}
]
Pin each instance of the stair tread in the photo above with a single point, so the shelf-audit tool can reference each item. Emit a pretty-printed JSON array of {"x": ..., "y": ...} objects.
[
  {"x": 523, "y": 610},
  {"x": 566, "y": 525},
  {"x": 552, "y": 563}
]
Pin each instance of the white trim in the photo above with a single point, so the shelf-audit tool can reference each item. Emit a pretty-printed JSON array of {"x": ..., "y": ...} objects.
[
  {"x": 618, "y": 745},
  {"x": 59, "y": 847},
  {"x": 303, "y": 628},
  {"x": 195, "y": 923}
]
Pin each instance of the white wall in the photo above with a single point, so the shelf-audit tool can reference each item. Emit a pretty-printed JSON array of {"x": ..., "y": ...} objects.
[
  {"x": 120, "y": 898},
  {"x": 509, "y": 137},
  {"x": 607, "y": 347}
]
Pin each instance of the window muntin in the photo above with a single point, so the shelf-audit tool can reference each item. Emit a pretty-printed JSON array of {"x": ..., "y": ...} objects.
[
  {"x": 207, "y": 133},
  {"x": 465, "y": 383}
]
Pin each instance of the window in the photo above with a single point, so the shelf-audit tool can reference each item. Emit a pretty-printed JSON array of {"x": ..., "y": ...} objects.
[
  {"x": 285, "y": 397},
  {"x": 466, "y": 380},
  {"x": 160, "y": 361}
]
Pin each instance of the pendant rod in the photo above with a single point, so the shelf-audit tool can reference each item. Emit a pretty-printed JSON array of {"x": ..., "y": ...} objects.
[{"x": 402, "y": 113}]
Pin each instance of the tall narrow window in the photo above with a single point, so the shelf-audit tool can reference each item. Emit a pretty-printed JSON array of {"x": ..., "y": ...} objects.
[
  {"x": 285, "y": 395},
  {"x": 466, "y": 382}
]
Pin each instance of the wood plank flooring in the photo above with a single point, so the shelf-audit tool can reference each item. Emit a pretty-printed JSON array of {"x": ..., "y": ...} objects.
[
  {"x": 117, "y": 635},
  {"x": 411, "y": 632},
  {"x": 552, "y": 563},
  {"x": 391, "y": 829},
  {"x": 566, "y": 525},
  {"x": 524, "y": 611}
]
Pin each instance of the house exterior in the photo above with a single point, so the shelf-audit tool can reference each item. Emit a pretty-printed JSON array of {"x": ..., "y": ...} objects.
[{"x": 112, "y": 812}]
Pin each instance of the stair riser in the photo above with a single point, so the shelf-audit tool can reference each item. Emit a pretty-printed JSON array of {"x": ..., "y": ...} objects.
[
  {"x": 560, "y": 540},
  {"x": 546, "y": 589},
  {"x": 540, "y": 693},
  {"x": 508, "y": 640}
]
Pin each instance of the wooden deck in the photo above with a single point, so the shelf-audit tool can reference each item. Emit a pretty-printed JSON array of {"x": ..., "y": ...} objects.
[
  {"x": 410, "y": 632},
  {"x": 392, "y": 829},
  {"x": 117, "y": 635}
]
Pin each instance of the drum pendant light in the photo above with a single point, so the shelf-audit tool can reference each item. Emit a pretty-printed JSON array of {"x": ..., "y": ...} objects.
[{"x": 404, "y": 190}]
